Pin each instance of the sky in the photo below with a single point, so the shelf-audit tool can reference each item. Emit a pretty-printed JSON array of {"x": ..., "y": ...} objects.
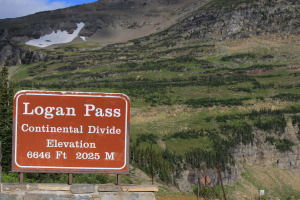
[{"x": 19, "y": 8}]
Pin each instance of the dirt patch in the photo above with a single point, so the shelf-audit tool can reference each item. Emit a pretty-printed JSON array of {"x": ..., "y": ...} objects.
[{"x": 158, "y": 113}]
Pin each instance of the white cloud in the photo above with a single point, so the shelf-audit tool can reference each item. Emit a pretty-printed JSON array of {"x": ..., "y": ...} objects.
[{"x": 18, "y": 8}]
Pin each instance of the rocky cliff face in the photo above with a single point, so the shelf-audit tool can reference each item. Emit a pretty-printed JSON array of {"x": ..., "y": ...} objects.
[
  {"x": 241, "y": 19},
  {"x": 263, "y": 153},
  {"x": 12, "y": 54},
  {"x": 259, "y": 153}
]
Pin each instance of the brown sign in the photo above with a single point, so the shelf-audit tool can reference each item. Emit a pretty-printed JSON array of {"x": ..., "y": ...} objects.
[
  {"x": 71, "y": 132},
  {"x": 205, "y": 180}
]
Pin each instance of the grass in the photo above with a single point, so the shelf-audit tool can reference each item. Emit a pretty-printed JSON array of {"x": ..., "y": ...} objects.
[
  {"x": 21, "y": 72},
  {"x": 272, "y": 180},
  {"x": 247, "y": 175},
  {"x": 181, "y": 146}
]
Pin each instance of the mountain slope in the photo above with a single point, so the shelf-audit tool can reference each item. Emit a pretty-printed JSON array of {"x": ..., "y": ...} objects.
[
  {"x": 119, "y": 21},
  {"x": 105, "y": 21},
  {"x": 202, "y": 94},
  {"x": 241, "y": 19},
  {"x": 220, "y": 19},
  {"x": 108, "y": 22}
]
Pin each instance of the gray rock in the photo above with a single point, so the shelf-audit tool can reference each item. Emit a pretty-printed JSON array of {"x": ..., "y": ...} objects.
[
  {"x": 13, "y": 187},
  {"x": 82, "y": 189},
  {"x": 47, "y": 196},
  {"x": 8, "y": 196},
  {"x": 11, "y": 54},
  {"x": 126, "y": 196}
]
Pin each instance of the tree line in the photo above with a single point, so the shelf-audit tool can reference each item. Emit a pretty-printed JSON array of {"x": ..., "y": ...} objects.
[{"x": 6, "y": 97}]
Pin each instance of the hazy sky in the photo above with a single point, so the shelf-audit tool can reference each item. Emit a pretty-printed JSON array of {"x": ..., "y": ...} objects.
[{"x": 18, "y": 8}]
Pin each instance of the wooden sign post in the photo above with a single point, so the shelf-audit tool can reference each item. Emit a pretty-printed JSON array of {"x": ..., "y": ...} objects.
[{"x": 71, "y": 132}]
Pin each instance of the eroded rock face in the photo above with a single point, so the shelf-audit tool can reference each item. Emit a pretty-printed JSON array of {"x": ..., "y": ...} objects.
[
  {"x": 11, "y": 54},
  {"x": 193, "y": 176},
  {"x": 258, "y": 153},
  {"x": 263, "y": 153},
  {"x": 242, "y": 20}
]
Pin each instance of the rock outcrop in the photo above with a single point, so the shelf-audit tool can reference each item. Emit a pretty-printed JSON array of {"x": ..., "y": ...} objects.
[
  {"x": 12, "y": 54},
  {"x": 259, "y": 153},
  {"x": 241, "y": 19}
]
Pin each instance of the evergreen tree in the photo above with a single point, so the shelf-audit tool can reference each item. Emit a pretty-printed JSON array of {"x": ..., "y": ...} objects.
[{"x": 6, "y": 120}]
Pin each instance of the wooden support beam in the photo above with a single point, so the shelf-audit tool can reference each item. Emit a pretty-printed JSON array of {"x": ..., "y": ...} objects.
[
  {"x": 118, "y": 179},
  {"x": 21, "y": 178},
  {"x": 70, "y": 179}
]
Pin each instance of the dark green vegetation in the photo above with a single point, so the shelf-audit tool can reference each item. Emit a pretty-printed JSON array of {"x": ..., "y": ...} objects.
[{"x": 6, "y": 95}]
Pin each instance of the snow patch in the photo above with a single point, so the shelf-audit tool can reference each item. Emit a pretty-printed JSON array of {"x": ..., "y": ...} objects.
[
  {"x": 58, "y": 37},
  {"x": 83, "y": 38}
]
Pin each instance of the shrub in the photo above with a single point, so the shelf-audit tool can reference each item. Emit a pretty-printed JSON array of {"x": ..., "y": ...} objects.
[
  {"x": 237, "y": 57},
  {"x": 148, "y": 137},
  {"x": 276, "y": 123},
  {"x": 283, "y": 145},
  {"x": 287, "y": 97}
]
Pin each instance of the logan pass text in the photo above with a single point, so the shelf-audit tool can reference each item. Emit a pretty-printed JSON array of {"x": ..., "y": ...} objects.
[{"x": 50, "y": 112}]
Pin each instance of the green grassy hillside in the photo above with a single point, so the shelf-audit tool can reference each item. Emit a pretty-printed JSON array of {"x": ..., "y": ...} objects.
[{"x": 191, "y": 101}]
